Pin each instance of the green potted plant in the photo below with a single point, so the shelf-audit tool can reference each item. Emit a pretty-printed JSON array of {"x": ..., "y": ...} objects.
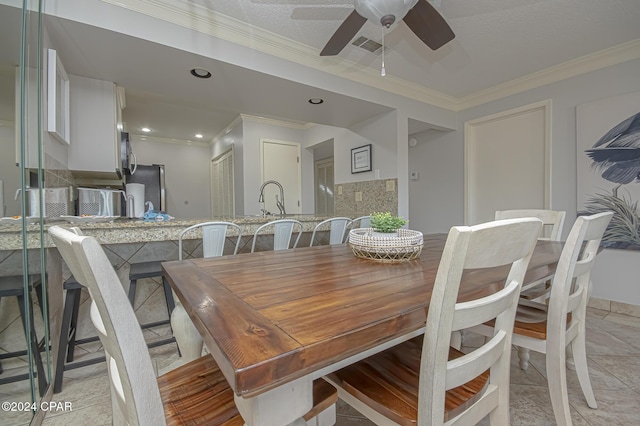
[{"x": 386, "y": 223}]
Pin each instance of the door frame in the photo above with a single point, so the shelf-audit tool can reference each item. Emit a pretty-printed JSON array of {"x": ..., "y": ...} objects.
[
  {"x": 297, "y": 145},
  {"x": 230, "y": 152},
  {"x": 316, "y": 167},
  {"x": 469, "y": 142}
]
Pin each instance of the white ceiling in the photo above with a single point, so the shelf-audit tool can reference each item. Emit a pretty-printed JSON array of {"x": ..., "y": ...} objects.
[{"x": 496, "y": 41}]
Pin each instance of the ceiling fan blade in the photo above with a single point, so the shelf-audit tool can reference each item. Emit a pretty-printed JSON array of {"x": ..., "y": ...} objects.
[
  {"x": 343, "y": 34},
  {"x": 427, "y": 23}
]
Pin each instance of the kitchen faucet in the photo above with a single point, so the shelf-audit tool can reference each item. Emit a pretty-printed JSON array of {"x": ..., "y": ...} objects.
[{"x": 279, "y": 201}]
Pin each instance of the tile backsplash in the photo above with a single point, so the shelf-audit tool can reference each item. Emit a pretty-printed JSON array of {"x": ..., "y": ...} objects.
[
  {"x": 363, "y": 198},
  {"x": 55, "y": 174}
]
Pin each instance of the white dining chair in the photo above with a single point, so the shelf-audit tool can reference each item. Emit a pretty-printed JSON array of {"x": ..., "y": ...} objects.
[
  {"x": 283, "y": 230},
  {"x": 424, "y": 381},
  {"x": 550, "y": 328},
  {"x": 337, "y": 227},
  {"x": 214, "y": 236},
  {"x": 552, "y": 225},
  {"x": 552, "y": 220},
  {"x": 195, "y": 393}
]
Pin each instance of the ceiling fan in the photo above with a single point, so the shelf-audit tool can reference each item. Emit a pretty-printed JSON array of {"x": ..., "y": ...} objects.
[{"x": 419, "y": 15}]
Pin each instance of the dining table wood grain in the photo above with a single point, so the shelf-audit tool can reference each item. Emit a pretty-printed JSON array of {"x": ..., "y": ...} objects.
[{"x": 270, "y": 318}]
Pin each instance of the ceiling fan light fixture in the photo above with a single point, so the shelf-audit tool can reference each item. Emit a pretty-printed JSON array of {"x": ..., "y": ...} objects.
[{"x": 385, "y": 12}]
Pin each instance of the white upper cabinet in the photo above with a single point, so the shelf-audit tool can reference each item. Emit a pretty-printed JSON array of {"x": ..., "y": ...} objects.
[{"x": 95, "y": 140}]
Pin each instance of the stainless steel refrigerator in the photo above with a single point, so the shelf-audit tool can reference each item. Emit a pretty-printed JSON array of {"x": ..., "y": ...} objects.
[{"x": 153, "y": 179}]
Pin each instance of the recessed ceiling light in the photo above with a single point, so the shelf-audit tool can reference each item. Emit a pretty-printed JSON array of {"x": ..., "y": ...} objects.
[
  {"x": 316, "y": 101},
  {"x": 146, "y": 129},
  {"x": 200, "y": 73},
  {"x": 199, "y": 136}
]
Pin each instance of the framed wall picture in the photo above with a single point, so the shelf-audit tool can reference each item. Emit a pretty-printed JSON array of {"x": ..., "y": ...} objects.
[{"x": 361, "y": 159}]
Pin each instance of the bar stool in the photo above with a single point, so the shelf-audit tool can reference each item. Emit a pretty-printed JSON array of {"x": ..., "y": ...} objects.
[
  {"x": 13, "y": 286},
  {"x": 68, "y": 333},
  {"x": 68, "y": 342},
  {"x": 150, "y": 269}
]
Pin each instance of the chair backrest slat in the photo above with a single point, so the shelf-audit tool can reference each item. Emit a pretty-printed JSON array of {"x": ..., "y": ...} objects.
[
  {"x": 362, "y": 222},
  {"x": 552, "y": 220},
  {"x": 283, "y": 230},
  {"x": 337, "y": 229},
  {"x": 214, "y": 235}
]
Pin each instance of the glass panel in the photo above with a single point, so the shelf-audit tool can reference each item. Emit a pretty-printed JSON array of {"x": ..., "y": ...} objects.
[{"x": 24, "y": 331}]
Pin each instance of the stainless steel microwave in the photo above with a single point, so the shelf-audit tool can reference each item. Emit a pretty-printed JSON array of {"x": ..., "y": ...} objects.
[{"x": 127, "y": 157}]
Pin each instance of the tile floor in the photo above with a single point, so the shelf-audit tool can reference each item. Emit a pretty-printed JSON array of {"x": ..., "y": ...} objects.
[{"x": 614, "y": 359}]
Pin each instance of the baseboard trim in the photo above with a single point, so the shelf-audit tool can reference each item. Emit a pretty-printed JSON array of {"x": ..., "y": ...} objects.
[{"x": 613, "y": 306}]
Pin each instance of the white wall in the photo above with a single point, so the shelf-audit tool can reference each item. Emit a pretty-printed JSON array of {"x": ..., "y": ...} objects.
[
  {"x": 437, "y": 198},
  {"x": 187, "y": 185}
]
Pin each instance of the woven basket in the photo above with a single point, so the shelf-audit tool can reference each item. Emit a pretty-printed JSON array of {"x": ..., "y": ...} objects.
[{"x": 407, "y": 245}]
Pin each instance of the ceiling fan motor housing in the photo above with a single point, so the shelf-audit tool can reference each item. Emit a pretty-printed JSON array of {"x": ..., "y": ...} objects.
[{"x": 386, "y": 12}]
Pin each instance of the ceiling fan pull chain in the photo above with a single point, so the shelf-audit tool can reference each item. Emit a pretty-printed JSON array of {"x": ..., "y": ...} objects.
[{"x": 383, "y": 72}]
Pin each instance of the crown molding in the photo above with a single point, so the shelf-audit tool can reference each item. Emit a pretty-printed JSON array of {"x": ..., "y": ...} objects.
[
  {"x": 181, "y": 142},
  {"x": 592, "y": 62},
  {"x": 206, "y": 21},
  {"x": 236, "y": 121},
  {"x": 276, "y": 122}
]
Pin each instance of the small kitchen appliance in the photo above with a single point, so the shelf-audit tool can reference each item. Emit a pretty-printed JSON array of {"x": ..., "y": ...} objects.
[
  {"x": 99, "y": 202},
  {"x": 135, "y": 200},
  {"x": 56, "y": 201}
]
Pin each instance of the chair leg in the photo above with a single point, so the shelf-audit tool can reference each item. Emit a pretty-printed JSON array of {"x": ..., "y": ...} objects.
[
  {"x": 523, "y": 356},
  {"x": 187, "y": 336},
  {"x": 579, "y": 352},
  {"x": 168, "y": 296},
  {"x": 557, "y": 381},
  {"x": 63, "y": 343},
  {"x": 73, "y": 326},
  {"x": 324, "y": 418},
  {"x": 132, "y": 291},
  {"x": 33, "y": 341}
]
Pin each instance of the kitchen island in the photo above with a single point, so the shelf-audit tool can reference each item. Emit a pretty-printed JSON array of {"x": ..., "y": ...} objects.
[{"x": 125, "y": 231}]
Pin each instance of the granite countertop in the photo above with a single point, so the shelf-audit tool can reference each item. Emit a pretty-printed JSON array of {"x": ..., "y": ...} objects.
[{"x": 123, "y": 230}]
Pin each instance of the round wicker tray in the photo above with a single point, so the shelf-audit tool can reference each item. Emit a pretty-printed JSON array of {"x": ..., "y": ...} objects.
[{"x": 407, "y": 245}]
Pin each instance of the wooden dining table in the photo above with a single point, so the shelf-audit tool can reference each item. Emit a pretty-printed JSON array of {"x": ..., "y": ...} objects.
[{"x": 275, "y": 321}]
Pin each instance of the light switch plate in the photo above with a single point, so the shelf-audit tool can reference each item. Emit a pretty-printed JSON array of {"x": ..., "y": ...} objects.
[
  {"x": 391, "y": 186},
  {"x": 358, "y": 196},
  {"x": 339, "y": 189}
]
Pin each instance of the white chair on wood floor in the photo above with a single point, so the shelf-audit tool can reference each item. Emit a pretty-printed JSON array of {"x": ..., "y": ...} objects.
[
  {"x": 550, "y": 328},
  {"x": 424, "y": 381},
  {"x": 195, "y": 393},
  {"x": 214, "y": 236},
  {"x": 283, "y": 230},
  {"x": 337, "y": 227}
]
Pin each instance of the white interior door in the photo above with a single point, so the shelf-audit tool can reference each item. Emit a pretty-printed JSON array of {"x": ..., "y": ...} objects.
[
  {"x": 281, "y": 162},
  {"x": 222, "y": 193},
  {"x": 324, "y": 187},
  {"x": 507, "y": 162}
]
